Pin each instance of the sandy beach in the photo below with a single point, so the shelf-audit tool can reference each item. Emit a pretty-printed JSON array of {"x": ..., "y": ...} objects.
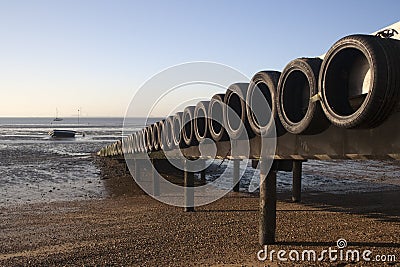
[
  {"x": 129, "y": 228},
  {"x": 191, "y": 133}
]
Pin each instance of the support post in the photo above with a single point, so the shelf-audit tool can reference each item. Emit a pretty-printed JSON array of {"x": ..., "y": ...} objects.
[
  {"x": 254, "y": 163},
  {"x": 296, "y": 186},
  {"x": 267, "y": 204},
  {"x": 236, "y": 175},
  {"x": 203, "y": 171},
  {"x": 156, "y": 180},
  {"x": 137, "y": 169},
  {"x": 189, "y": 189}
]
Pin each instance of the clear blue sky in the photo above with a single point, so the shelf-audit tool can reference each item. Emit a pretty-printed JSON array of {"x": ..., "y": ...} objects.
[{"x": 95, "y": 54}]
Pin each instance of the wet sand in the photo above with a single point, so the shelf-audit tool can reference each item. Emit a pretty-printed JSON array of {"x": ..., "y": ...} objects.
[{"x": 131, "y": 229}]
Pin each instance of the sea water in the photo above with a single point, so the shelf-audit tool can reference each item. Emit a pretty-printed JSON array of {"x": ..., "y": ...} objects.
[{"x": 36, "y": 167}]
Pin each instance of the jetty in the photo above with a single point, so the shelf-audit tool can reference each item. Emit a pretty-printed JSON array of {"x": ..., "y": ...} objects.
[{"x": 341, "y": 105}]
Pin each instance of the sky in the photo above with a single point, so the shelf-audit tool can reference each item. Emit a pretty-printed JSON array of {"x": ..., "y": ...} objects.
[{"x": 94, "y": 55}]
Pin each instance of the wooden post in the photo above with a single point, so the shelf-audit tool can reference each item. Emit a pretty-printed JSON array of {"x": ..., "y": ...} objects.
[
  {"x": 254, "y": 163},
  {"x": 126, "y": 166},
  {"x": 267, "y": 205},
  {"x": 156, "y": 180},
  {"x": 236, "y": 175},
  {"x": 137, "y": 169},
  {"x": 296, "y": 186},
  {"x": 189, "y": 189},
  {"x": 203, "y": 171}
]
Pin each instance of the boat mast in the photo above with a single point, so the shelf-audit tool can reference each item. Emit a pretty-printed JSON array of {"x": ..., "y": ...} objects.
[{"x": 57, "y": 118}]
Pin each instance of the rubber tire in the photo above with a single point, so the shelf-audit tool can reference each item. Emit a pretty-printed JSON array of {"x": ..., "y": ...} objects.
[
  {"x": 143, "y": 147},
  {"x": 383, "y": 98},
  {"x": 189, "y": 140},
  {"x": 161, "y": 134},
  {"x": 126, "y": 145},
  {"x": 177, "y": 141},
  {"x": 201, "y": 106},
  {"x": 220, "y": 135},
  {"x": 137, "y": 142},
  {"x": 245, "y": 132},
  {"x": 273, "y": 127},
  {"x": 166, "y": 138},
  {"x": 148, "y": 140},
  {"x": 156, "y": 128},
  {"x": 314, "y": 120},
  {"x": 134, "y": 143}
]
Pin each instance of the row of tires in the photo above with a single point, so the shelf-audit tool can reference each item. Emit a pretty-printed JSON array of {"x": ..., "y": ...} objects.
[{"x": 356, "y": 85}]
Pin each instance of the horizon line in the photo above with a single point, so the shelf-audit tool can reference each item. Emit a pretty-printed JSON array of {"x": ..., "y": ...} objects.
[{"x": 75, "y": 117}]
